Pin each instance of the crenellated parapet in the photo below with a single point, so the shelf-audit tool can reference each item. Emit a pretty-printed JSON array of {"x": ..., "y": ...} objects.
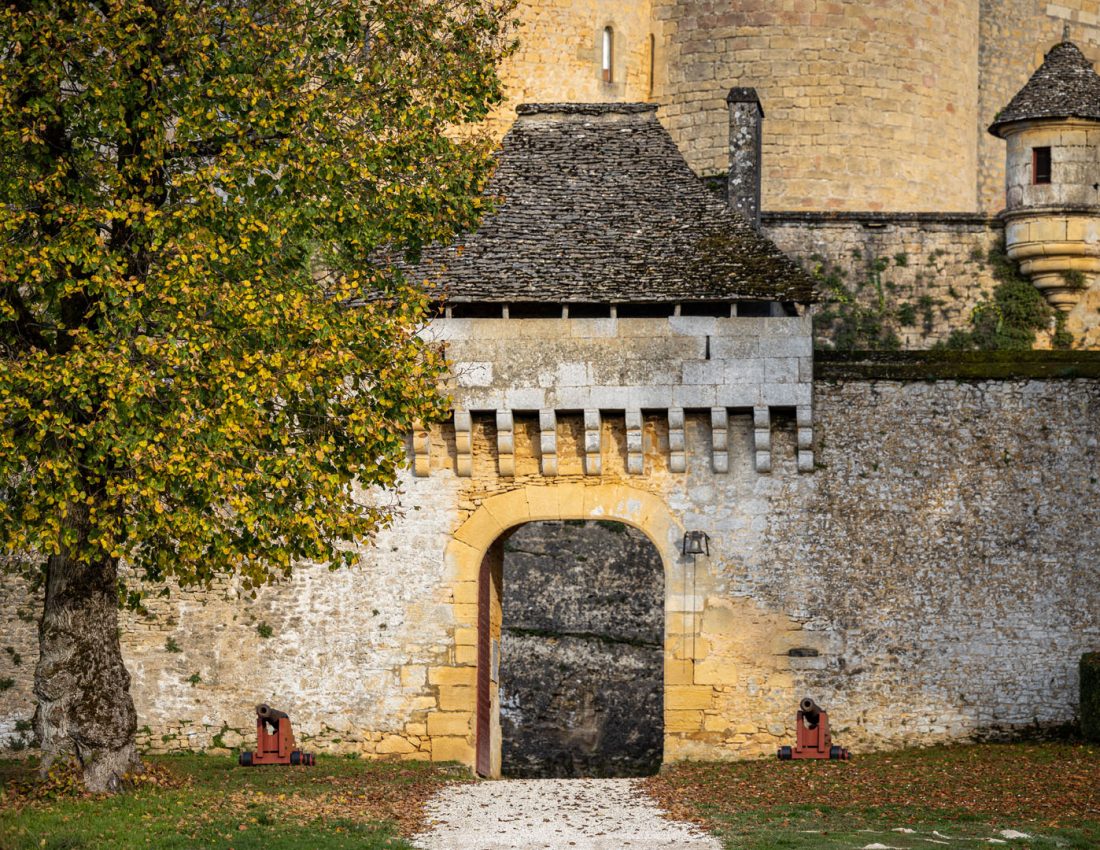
[{"x": 622, "y": 368}]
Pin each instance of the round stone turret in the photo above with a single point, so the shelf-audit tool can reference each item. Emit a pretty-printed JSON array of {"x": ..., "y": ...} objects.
[{"x": 1052, "y": 204}]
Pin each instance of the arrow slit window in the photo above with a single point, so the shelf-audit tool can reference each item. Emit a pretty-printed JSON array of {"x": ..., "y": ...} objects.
[{"x": 608, "y": 52}]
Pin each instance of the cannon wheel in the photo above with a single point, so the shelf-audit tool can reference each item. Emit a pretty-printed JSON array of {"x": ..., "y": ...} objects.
[
  {"x": 296, "y": 757},
  {"x": 245, "y": 759},
  {"x": 836, "y": 753},
  {"x": 785, "y": 753}
]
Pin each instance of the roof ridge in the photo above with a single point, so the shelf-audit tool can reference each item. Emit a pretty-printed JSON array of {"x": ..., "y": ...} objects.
[{"x": 631, "y": 107}]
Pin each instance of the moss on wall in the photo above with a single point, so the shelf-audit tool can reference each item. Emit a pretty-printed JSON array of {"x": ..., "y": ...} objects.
[{"x": 946, "y": 365}]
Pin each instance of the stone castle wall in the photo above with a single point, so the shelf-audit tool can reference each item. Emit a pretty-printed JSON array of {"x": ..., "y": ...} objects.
[
  {"x": 868, "y": 106},
  {"x": 879, "y": 107},
  {"x": 935, "y": 579},
  {"x": 559, "y": 57},
  {"x": 923, "y": 274}
]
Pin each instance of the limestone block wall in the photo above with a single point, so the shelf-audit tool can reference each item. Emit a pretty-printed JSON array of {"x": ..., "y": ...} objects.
[
  {"x": 1053, "y": 229},
  {"x": 559, "y": 58},
  {"x": 869, "y": 106},
  {"x": 934, "y": 579},
  {"x": 579, "y": 364},
  {"x": 1074, "y": 147},
  {"x": 923, "y": 273},
  {"x": 1015, "y": 34},
  {"x": 625, "y": 367}
]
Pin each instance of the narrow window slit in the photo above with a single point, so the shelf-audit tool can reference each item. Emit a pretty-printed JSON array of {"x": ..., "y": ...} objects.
[
  {"x": 608, "y": 53},
  {"x": 1040, "y": 166}
]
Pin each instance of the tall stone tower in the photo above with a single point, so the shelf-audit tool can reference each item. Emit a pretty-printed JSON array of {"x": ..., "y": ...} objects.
[
  {"x": 871, "y": 106},
  {"x": 579, "y": 51},
  {"x": 1052, "y": 213}
]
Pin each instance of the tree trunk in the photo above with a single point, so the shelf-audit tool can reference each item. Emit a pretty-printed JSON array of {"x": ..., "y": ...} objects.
[{"x": 81, "y": 682}]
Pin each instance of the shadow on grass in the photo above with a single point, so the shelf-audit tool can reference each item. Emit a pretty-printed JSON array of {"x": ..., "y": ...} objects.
[{"x": 1043, "y": 795}]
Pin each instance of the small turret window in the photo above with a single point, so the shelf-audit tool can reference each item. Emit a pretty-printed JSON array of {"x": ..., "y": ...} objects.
[
  {"x": 1040, "y": 165},
  {"x": 608, "y": 52}
]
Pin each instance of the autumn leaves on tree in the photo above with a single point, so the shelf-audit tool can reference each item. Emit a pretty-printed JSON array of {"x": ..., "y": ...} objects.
[{"x": 202, "y": 355}]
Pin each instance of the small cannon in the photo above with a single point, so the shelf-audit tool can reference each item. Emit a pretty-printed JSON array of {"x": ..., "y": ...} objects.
[
  {"x": 813, "y": 738},
  {"x": 277, "y": 745}
]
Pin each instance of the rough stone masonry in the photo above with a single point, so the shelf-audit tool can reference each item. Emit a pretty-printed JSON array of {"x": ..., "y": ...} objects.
[
  {"x": 935, "y": 579},
  {"x": 920, "y": 557}
]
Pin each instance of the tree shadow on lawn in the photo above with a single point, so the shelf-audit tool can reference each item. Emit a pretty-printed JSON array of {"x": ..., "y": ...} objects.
[{"x": 811, "y": 827}]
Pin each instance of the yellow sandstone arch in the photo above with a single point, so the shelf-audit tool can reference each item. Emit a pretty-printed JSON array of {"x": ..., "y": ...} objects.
[{"x": 453, "y": 726}]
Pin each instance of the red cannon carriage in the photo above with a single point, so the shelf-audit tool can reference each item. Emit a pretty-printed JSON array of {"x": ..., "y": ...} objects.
[
  {"x": 277, "y": 745},
  {"x": 813, "y": 738}
]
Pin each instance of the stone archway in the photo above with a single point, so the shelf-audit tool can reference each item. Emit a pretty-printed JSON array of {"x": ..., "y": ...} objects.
[{"x": 476, "y": 548}]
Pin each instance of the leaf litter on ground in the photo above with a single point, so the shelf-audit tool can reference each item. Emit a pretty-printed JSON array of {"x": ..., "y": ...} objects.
[{"x": 1015, "y": 790}]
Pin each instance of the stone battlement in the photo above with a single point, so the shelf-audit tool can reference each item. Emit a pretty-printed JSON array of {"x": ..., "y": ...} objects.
[{"x": 622, "y": 367}]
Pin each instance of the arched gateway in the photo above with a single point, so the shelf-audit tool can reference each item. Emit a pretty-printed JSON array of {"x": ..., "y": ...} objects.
[
  {"x": 482, "y": 552},
  {"x": 622, "y": 343}
]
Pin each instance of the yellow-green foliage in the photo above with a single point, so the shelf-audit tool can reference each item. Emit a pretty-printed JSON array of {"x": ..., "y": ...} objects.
[
  {"x": 201, "y": 347},
  {"x": 1008, "y": 320}
]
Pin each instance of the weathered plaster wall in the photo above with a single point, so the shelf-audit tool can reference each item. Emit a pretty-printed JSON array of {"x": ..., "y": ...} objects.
[{"x": 942, "y": 562}]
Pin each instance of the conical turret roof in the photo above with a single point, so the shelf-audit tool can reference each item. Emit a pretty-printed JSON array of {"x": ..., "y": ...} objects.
[{"x": 1064, "y": 86}]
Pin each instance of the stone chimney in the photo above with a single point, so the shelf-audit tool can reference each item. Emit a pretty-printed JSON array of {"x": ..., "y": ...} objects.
[{"x": 743, "y": 183}]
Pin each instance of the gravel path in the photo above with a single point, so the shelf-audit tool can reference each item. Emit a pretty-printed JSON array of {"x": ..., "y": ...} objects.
[{"x": 554, "y": 814}]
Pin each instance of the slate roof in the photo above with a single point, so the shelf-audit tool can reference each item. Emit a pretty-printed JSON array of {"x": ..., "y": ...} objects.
[
  {"x": 1064, "y": 86},
  {"x": 598, "y": 205}
]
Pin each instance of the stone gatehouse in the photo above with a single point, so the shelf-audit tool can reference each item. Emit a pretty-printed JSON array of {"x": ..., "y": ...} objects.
[{"x": 918, "y": 555}]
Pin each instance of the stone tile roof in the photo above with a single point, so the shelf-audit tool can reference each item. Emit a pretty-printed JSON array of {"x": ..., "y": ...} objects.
[
  {"x": 1064, "y": 86},
  {"x": 598, "y": 205}
]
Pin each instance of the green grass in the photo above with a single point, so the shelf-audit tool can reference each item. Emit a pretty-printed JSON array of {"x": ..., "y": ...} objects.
[
  {"x": 813, "y": 827},
  {"x": 340, "y": 803},
  {"x": 967, "y": 794}
]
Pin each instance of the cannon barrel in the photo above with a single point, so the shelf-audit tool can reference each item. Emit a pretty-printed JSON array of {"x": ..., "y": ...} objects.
[
  {"x": 268, "y": 713},
  {"x": 811, "y": 709}
]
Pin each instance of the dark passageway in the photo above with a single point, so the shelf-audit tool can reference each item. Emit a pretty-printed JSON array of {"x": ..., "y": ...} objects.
[{"x": 581, "y": 668}]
